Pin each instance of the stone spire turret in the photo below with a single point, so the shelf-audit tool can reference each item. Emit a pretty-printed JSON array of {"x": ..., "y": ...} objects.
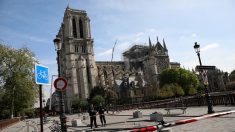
[
  {"x": 164, "y": 45},
  {"x": 150, "y": 44}
]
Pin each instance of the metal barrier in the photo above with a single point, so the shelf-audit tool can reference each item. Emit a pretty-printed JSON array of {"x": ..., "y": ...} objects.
[
  {"x": 218, "y": 98},
  {"x": 7, "y": 122},
  {"x": 159, "y": 127}
]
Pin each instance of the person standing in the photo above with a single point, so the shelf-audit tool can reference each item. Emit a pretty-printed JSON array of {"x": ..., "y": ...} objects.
[
  {"x": 101, "y": 111},
  {"x": 92, "y": 113}
]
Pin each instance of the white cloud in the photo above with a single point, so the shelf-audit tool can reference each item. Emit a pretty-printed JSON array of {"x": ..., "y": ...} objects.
[
  {"x": 125, "y": 41},
  {"x": 119, "y": 49},
  {"x": 210, "y": 46},
  {"x": 121, "y": 5},
  {"x": 139, "y": 37},
  {"x": 26, "y": 37},
  {"x": 222, "y": 57},
  {"x": 37, "y": 39},
  {"x": 182, "y": 37},
  {"x": 108, "y": 52},
  {"x": 123, "y": 46},
  {"x": 188, "y": 36},
  {"x": 194, "y": 35}
]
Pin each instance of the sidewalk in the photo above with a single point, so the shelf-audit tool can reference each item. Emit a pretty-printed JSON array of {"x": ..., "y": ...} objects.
[
  {"x": 15, "y": 127},
  {"x": 32, "y": 125},
  {"x": 124, "y": 120}
]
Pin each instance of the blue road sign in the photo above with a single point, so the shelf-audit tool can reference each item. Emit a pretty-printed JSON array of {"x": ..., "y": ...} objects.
[{"x": 41, "y": 74}]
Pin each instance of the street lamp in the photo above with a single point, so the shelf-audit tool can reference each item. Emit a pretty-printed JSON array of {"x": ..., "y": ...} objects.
[
  {"x": 208, "y": 99},
  {"x": 58, "y": 45},
  {"x": 197, "y": 49}
]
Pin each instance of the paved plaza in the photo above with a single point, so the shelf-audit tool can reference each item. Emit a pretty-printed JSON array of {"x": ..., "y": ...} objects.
[{"x": 123, "y": 120}]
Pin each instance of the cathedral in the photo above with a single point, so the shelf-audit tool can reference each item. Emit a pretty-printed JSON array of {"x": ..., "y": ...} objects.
[{"x": 141, "y": 65}]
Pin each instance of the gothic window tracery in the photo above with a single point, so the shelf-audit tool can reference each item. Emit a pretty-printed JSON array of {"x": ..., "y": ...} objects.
[
  {"x": 105, "y": 76},
  {"x": 83, "y": 49},
  {"x": 76, "y": 48}
]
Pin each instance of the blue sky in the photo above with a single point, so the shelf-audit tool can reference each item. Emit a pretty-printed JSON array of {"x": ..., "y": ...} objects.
[{"x": 34, "y": 24}]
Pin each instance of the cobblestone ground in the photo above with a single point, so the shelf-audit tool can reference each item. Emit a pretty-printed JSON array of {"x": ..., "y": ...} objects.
[{"x": 124, "y": 120}]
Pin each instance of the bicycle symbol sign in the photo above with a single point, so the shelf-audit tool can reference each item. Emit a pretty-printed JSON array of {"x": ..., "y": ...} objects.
[{"x": 41, "y": 74}]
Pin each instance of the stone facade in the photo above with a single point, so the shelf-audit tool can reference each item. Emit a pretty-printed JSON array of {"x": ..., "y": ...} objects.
[
  {"x": 77, "y": 56},
  {"x": 141, "y": 65}
]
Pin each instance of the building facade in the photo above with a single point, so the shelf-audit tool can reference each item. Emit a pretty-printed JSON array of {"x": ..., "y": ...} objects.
[{"x": 129, "y": 78}]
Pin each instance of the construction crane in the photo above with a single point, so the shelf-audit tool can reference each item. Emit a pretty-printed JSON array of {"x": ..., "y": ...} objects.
[{"x": 113, "y": 49}]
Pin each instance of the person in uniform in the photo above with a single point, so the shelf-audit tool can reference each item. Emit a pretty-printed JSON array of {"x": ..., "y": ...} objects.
[
  {"x": 101, "y": 111},
  {"x": 92, "y": 113}
]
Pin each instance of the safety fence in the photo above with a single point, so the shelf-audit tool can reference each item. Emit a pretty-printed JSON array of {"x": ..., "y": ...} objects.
[
  {"x": 180, "y": 122},
  {"x": 217, "y": 98}
]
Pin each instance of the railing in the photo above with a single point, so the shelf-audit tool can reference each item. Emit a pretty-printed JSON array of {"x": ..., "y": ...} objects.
[
  {"x": 7, "y": 122},
  {"x": 217, "y": 98}
]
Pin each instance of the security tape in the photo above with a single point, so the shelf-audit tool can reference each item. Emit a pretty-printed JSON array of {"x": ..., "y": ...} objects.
[{"x": 181, "y": 122}]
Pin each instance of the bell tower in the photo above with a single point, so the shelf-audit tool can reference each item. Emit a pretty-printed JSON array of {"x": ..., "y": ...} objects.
[{"x": 77, "y": 55}]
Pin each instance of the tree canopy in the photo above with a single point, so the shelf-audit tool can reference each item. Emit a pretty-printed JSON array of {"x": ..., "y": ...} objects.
[
  {"x": 170, "y": 90},
  {"x": 107, "y": 94},
  {"x": 79, "y": 104},
  {"x": 232, "y": 76},
  {"x": 18, "y": 91},
  {"x": 182, "y": 77},
  {"x": 97, "y": 100}
]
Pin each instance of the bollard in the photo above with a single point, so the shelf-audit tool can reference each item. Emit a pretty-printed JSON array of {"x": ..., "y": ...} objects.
[
  {"x": 137, "y": 114},
  {"x": 76, "y": 122}
]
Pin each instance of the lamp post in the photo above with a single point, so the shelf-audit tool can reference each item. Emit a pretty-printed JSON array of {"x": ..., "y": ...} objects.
[
  {"x": 208, "y": 99},
  {"x": 58, "y": 45}
]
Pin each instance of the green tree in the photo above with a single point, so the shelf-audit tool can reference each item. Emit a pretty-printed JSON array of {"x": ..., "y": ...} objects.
[
  {"x": 30, "y": 112},
  {"x": 83, "y": 105},
  {"x": 75, "y": 102},
  {"x": 182, "y": 77},
  {"x": 98, "y": 99},
  {"x": 165, "y": 92},
  {"x": 192, "y": 91},
  {"x": 97, "y": 90},
  {"x": 79, "y": 104},
  {"x": 177, "y": 90},
  {"x": 17, "y": 87},
  {"x": 232, "y": 76},
  {"x": 110, "y": 96},
  {"x": 201, "y": 89}
]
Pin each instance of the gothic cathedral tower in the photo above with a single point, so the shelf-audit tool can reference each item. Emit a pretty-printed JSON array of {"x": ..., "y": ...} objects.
[{"x": 77, "y": 56}]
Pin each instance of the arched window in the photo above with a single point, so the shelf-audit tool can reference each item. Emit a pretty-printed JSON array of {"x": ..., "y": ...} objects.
[
  {"x": 76, "y": 48},
  {"x": 106, "y": 77},
  {"x": 88, "y": 72},
  {"x": 105, "y": 74},
  {"x": 81, "y": 28},
  {"x": 83, "y": 48},
  {"x": 74, "y": 28}
]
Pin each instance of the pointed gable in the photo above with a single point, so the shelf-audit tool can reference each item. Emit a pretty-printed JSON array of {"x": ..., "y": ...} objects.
[{"x": 159, "y": 48}]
